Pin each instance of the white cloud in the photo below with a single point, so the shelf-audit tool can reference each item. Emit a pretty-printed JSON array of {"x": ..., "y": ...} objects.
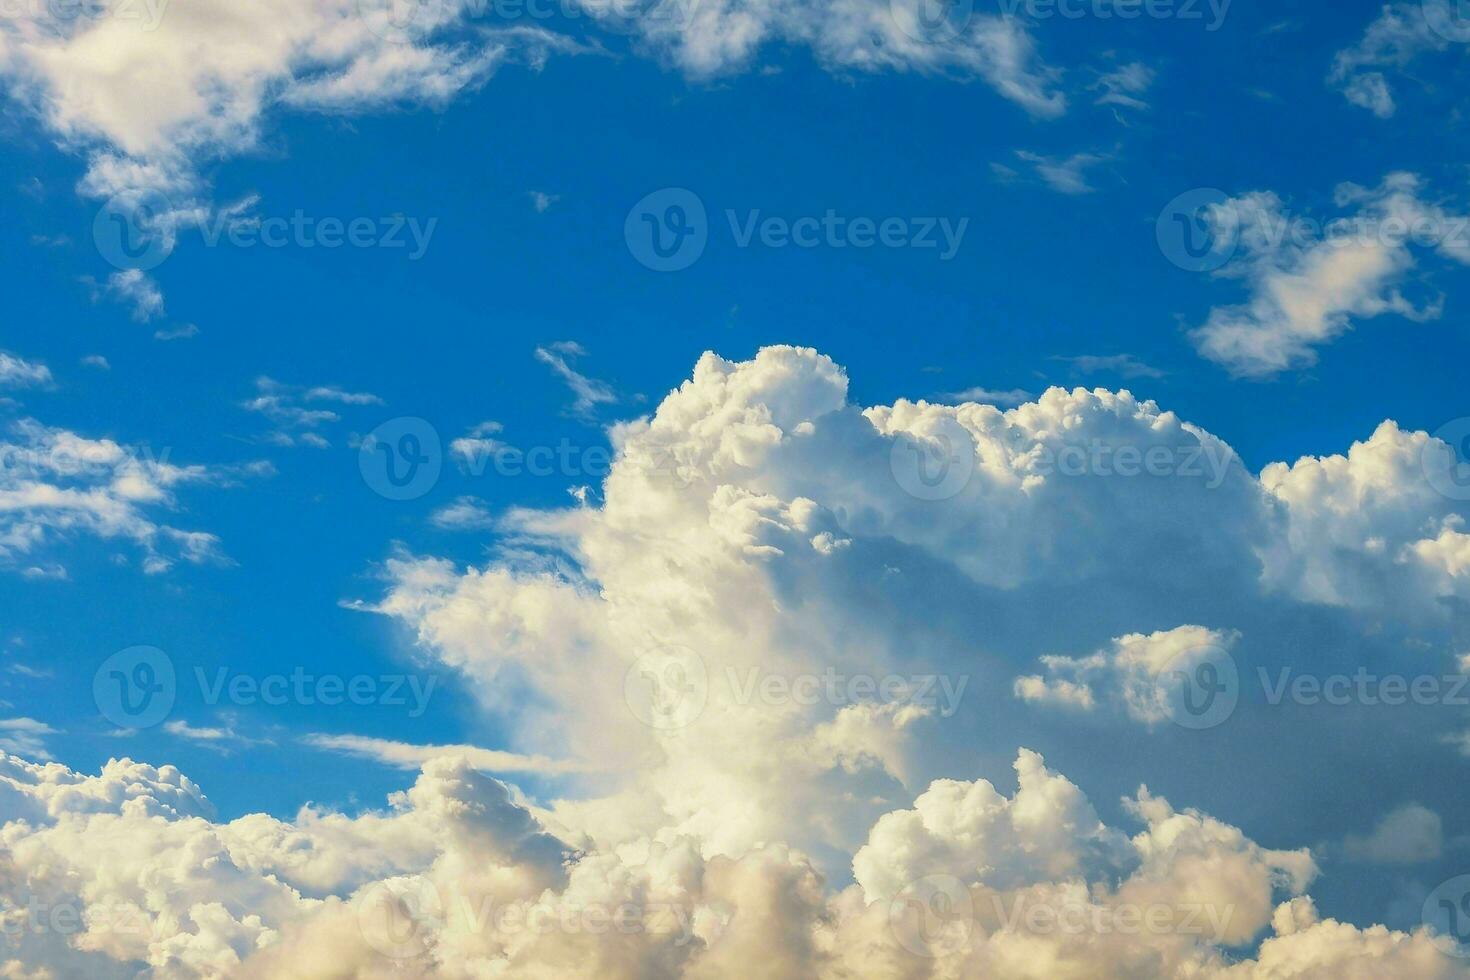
[
  {"x": 475, "y": 448},
  {"x": 989, "y": 396},
  {"x": 464, "y": 514},
  {"x": 56, "y": 484},
  {"x": 760, "y": 525},
  {"x": 1127, "y": 672},
  {"x": 1308, "y": 283},
  {"x": 17, "y": 372},
  {"x": 25, "y": 736},
  {"x": 136, "y": 289},
  {"x": 589, "y": 392},
  {"x": 404, "y": 755},
  {"x": 1123, "y": 365},
  {"x": 176, "y": 333},
  {"x": 1409, "y": 834},
  {"x": 1125, "y": 85},
  {"x": 96, "y": 361},
  {"x": 1065, "y": 175},
  {"x": 286, "y": 406},
  {"x": 1395, "y": 40}
]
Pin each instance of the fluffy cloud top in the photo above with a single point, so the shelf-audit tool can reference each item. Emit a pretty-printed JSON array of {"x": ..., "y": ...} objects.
[{"x": 753, "y": 666}]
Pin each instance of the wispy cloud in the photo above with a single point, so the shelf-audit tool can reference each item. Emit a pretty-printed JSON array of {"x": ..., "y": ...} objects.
[
  {"x": 465, "y": 514},
  {"x": 990, "y": 396},
  {"x": 1123, "y": 365},
  {"x": 1065, "y": 176},
  {"x": 17, "y": 372},
  {"x": 404, "y": 755},
  {"x": 589, "y": 392},
  {"x": 1125, "y": 86},
  {"x": 25, "y": 736},
  {"x": 288, "y": 408}
]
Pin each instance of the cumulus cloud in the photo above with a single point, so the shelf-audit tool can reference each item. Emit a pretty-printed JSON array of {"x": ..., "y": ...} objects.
[
  {"x": 1129, "y": 672},
  {"x": 771, "y": 674}
]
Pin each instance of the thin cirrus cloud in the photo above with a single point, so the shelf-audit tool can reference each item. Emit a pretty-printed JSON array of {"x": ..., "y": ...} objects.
[
  {"x": 1395, "y": 40},
  {"x": 588, "y": 393},
  {"x": 295, "y": 411}
]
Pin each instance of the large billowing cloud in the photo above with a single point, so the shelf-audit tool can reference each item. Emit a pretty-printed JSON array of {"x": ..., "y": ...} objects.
[{"x": 776, "y": 664}]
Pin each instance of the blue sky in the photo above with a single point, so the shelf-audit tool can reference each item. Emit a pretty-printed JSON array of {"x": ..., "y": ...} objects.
[{"x": 528, "y": 174}]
